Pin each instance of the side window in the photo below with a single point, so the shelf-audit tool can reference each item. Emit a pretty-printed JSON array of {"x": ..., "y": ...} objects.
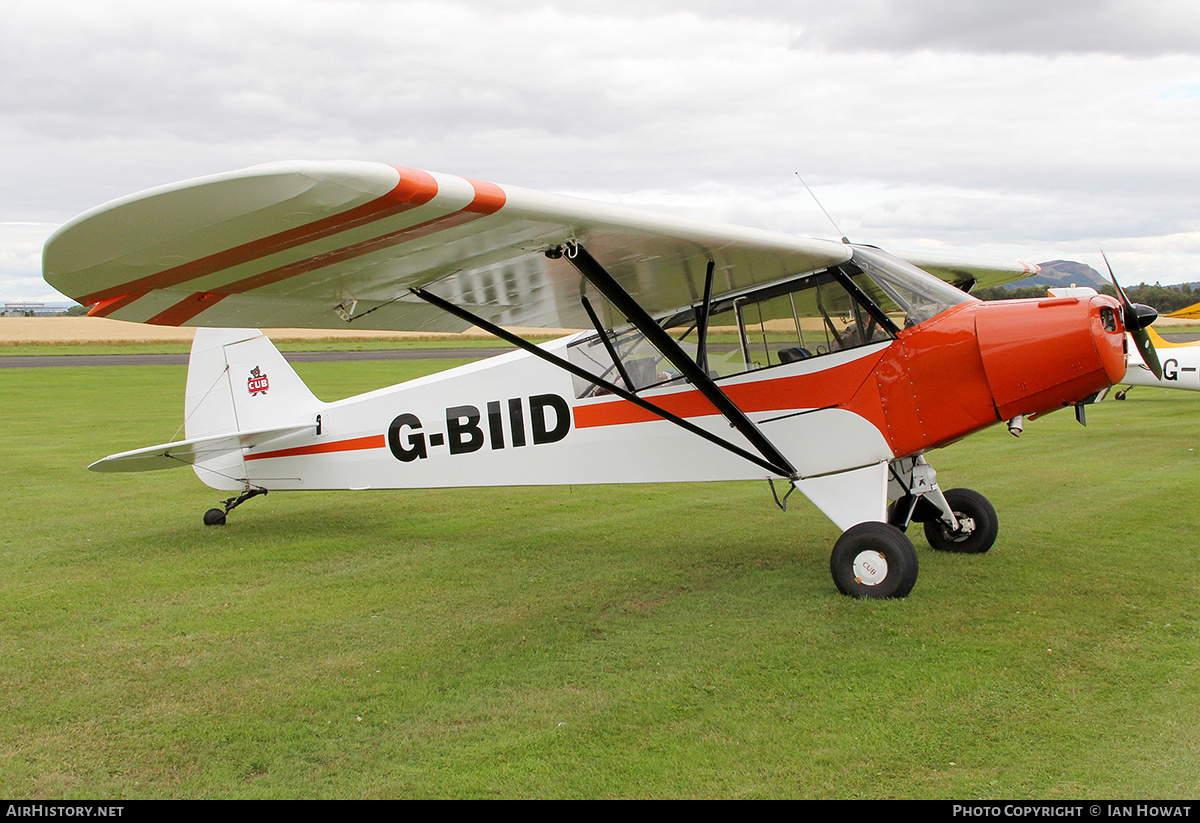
[
  {"x": 779, "y": 324},
  {"x": 817, "y": 317}
]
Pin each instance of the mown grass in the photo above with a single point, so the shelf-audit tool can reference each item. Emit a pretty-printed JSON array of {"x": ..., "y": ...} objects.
[{"x": 623, "y": 641}]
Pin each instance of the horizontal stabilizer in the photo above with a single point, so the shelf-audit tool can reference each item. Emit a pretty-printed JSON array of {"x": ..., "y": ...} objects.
[{"x": 187, "y": 452}]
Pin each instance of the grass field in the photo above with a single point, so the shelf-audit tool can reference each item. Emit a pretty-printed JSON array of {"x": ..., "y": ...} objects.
[{"x": 625, "y": 641}]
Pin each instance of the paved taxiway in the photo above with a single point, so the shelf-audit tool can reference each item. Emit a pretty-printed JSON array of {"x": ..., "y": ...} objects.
[{"x": 37, "y": 361}]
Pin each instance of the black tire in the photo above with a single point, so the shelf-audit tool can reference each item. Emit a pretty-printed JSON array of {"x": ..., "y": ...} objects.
[
  {"x": 965, "y": 503},
  {"x": 214, "y": 517},
  {"x": 873, "y": 560}
]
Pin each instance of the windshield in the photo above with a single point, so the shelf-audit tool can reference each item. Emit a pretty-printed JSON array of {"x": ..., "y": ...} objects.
[{"x": 903, "y": 288}]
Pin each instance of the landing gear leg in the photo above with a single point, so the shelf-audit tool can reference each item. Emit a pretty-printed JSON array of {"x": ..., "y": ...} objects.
[
  {"x": 961, "y": 520},
  {"x": 216, "y": 517}
]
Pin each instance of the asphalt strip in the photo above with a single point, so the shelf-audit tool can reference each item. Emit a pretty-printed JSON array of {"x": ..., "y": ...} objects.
[{"x": 40, "y": 361}]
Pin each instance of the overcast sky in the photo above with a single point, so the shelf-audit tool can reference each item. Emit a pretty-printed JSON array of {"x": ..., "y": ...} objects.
[{"x": 1024, "y": 129}]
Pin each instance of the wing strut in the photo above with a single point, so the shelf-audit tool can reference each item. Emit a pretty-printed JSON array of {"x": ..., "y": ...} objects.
[
  {"x": 607, "y": 285},
  {"x": 619, "y": 391},
  {"x": 608, "y": 344},
  {"x": 702, "y": 319}
]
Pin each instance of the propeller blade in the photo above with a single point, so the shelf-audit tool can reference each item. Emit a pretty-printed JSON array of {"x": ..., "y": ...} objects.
[
  {"x": 1146, "y": 350},
  {"x": 1137, "y": 317}
]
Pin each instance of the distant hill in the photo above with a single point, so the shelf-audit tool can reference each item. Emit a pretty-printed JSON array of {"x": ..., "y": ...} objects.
[
  {"x": 1061, "y": 273},
  {"x": 1058, "y": 273}
]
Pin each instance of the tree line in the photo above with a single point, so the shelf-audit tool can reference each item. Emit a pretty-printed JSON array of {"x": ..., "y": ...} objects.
[{"x": 1165, "y": 299}]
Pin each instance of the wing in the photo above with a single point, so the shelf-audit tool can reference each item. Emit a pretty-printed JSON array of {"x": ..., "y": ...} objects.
[
  {"x": 969, "y": 274},
  {"x": 1192, "y": 312},
  {"x": 340, "y": 244}
]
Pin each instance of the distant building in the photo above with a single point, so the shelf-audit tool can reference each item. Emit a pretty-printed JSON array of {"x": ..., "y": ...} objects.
[{"x": 26, "y": 309}]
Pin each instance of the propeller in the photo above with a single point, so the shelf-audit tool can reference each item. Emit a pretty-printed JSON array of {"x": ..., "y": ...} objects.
[{"x": 1136, "y": 317}]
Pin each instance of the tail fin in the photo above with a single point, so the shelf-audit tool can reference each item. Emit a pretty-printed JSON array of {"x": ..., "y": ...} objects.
[{"x": 237, "y": 382}]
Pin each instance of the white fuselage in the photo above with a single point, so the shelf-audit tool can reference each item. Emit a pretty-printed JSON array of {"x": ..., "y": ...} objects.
[{"x": 1180, "y": 367}]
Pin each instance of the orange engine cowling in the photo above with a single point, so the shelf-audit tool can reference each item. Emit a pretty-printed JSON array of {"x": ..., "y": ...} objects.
[
  {"x": 980, "y": 363},
  {"x": 1039, "y": 355}
]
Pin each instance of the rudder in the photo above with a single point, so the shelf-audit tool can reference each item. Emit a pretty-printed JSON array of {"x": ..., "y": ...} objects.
[{"x": 238, "y": 381}]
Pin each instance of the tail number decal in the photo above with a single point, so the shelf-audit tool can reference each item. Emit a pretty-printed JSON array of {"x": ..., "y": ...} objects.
[{"x": 467, "y": 430}]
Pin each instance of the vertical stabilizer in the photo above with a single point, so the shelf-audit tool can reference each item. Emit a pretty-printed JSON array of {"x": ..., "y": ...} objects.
[{"x": 238, "y": 381}]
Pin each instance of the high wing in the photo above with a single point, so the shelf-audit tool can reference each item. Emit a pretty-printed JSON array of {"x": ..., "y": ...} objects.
[
  {"x": 968, "y": 274},
  {"x": 1191, "y": 312},
  {"x": 340, "y": 244}
]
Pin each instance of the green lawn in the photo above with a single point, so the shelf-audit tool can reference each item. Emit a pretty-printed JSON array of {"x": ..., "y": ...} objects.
[{"x": 619, "y": 641}]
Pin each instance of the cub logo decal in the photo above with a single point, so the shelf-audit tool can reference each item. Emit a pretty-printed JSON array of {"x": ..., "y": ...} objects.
[{"x": 257, "y": 382}]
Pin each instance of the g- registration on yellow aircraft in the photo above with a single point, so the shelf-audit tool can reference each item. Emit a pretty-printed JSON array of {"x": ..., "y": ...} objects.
[
  {"x": 710, "y": 352},
  {"x": 1180, "y": 367}
]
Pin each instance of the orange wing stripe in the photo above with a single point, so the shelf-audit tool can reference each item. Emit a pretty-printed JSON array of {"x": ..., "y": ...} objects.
[
  {"x": 415, "y": 188},
  {"x": 488, "y": 200}
]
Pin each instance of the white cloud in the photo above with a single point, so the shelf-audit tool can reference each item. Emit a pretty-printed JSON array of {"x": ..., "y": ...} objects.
[
  {"x": 21, "y": 252},
  {"x": 1022, "y": 128}
]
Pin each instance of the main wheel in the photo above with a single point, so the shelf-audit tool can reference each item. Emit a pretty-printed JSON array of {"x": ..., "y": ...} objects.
[
  {"x": 873, "y": 560},
  {"x": 965, "y": 503}
]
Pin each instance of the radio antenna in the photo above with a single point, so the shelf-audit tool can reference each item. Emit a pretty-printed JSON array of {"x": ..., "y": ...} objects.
[{"x": 845, "y": 239}]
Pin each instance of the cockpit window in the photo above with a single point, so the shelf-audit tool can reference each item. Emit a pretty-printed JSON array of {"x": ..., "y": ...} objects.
[{"x": 862, "y": 302}]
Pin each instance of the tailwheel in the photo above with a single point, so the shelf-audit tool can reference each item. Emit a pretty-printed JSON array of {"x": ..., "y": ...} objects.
[
  {"x": 874, "y": 560},
  {"x": 978, "y": 525},
  {"x": 216, "y": 517}
]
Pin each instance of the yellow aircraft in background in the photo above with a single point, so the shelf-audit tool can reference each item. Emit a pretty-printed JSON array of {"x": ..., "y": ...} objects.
[{"x": 1180, "y": 361}]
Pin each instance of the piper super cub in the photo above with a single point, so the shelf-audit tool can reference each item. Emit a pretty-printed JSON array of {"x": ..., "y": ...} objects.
[{"x": 711, "y": 352}]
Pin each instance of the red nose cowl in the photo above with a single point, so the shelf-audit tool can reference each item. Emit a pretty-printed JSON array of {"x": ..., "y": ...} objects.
[
  {"x": 1039, "y": 355},
  {"x": 980, "y": 363}
]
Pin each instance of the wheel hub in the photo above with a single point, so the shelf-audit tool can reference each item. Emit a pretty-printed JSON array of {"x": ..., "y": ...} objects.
[
  {"x": 870, "y": 568},
  {"x": 966, "y": 527}
]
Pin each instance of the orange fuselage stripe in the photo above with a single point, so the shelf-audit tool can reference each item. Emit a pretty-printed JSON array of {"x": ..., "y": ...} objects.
[
  {"x": 374, "y": 441},
  {"x": 817, "y": 390}
]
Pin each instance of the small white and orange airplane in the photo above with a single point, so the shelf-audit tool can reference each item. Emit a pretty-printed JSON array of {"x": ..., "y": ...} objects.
[{"x": 711, "y": 352}]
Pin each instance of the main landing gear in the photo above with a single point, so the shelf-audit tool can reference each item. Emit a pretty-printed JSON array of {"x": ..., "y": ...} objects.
[
  {"x": 874, "y": 560},
  {"x": 216, "y": 517},
  {"x": 877, "y": 560}
]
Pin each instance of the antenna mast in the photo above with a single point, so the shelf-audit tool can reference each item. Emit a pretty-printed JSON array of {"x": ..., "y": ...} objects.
[{"x": 836, "y": 228}]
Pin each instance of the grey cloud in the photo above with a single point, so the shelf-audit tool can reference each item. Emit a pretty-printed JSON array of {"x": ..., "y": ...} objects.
[{"x": 1145, "y": 29}]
